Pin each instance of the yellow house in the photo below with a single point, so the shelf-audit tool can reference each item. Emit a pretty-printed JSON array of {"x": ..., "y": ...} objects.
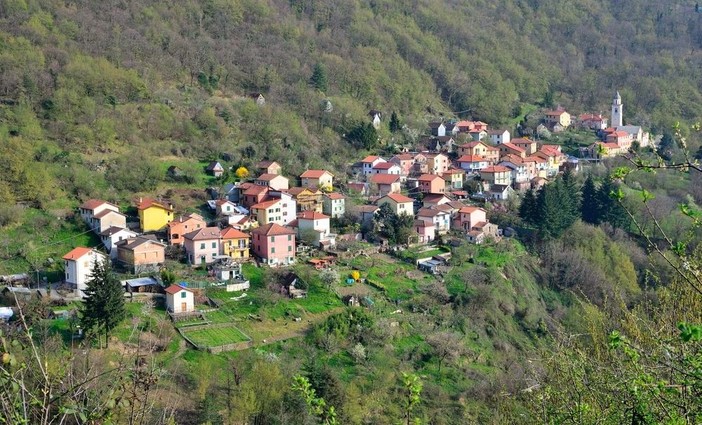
[
  {"x": 234, "y": 243},
  {"x": 154, "y": 215},
  {"x": 559, "y": 116},
  {"x": 321, "y": 179},
  {"x": 400, "y": 204}
]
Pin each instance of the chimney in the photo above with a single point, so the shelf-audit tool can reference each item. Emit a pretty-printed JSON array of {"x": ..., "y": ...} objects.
[{"x": 141, "y": 199}]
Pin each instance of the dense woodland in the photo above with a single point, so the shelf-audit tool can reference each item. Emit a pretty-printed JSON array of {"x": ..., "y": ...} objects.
[{"x": 581, "y": 319}]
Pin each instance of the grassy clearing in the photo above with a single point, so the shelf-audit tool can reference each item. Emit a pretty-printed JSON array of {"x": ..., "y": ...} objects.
[
  {"x": 399, "y": 279},
  {"x": 213, "y": 337}
]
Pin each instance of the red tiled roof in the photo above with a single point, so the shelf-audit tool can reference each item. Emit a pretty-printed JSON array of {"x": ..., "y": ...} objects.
[
  {"x": 223, "y": 201},
  {"x": 403, "y": 157},
  {"x": 232, "y": 233},
  {"x": 370, "y": 158},
  {"x": 148, "y": 203},
  {"x": 428, "y": 177},
  {"x": 311, "y": 215},
  {"x": 399, "y": 198},
  {"x": 314, "y": 174},
  {"x": 469, "y": 209},
  {"x": 77, "y": 253},
  {"x": 513, "y": 147},
  {"x": 384, "y": 178},
  {"x": 335, "y": 196},
  {"x": 268, "y": 177},
  {"x": 454, "y": 171},
  {"x": 206, "y": 233},
  {"x": 266, "y": 164},
  {"x": 91, "y": 204},
  {"x": 495, "y": 169},
  {"x": 272, "y": 229},
  {"x": 256, "y": 190},
  {"x": 265, "y": 204},
  {"x": 384, "y": 166},
  {"x": 106, "y": 212},
  {"x": 521, "y": 140},
  {"x": 174, "y": 289},
  {"x": 471, "y": 158}
]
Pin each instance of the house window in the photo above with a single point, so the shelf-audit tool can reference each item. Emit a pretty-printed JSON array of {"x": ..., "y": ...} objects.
[
  {"x": 272, "y": 238},
  {"x": 202, "y": 245},
  {"x": 273, "y": 250},
  {"x": 214, "y": 244},
  {"x": 289, "y": 238},
  {"x": 183, "y": 294},
  {"x": 289, "y": 248}
]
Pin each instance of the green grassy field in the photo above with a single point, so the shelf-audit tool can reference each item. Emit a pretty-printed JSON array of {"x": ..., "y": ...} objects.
[{"x": 213, "y": 337}]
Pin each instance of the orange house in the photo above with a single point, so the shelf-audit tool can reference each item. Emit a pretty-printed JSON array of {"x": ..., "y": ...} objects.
[
  {"x": 431, "y": 183},
  {"x": 182, "y": 225}
]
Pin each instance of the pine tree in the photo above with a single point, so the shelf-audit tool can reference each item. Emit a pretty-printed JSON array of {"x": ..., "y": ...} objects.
[
  {"x": 554, "y": 211},
  {"x": 589, "y": 206},
  {"x": 104, "y": 302},
  {"x": 319, "y": 77},
  {"x": 610, "y": 210},
  {"x": 528, "y": 209},
  {"x": 395, "y": 124},
  {"x": 571, "y": 195}
]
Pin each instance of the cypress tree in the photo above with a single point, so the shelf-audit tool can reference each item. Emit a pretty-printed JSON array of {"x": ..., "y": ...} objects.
[
  {"x": 610, "y": 209},
  {"x": 528, "y": 209},
  {"x": 571, "y": 195},
  {"x": 319, "y": 77},
  {"x": 589, "y": 206},
  {"x": 395, "y": 124},
  {"x": 103, "y": 308}
]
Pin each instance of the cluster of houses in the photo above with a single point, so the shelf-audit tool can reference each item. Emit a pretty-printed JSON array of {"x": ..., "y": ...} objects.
[{"x": 265, "y": 217}]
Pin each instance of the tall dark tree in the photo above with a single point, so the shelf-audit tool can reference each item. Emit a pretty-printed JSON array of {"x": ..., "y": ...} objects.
[
  {"x": 610, "y": 210},
  {"x": 589, "y": 205},
  {"x": 319, "y": 77},
  {"x": 103, "y": 308},
  {"x": 395, "y": 124},
  {"x": 571, "y": 193},
  {"x": 363, "y": 136},
  {"x": 528, "y": 209},
  {"x": 554, "y": 213}
]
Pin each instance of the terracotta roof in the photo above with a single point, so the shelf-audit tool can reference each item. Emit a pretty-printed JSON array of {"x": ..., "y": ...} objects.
[
  {"x": 184, "y": 218},
  {"x": 370, "y": 159},
  {"x": 148, "y": 203},
  {"x": 174, "y": 289},
  {"x": 471, "y": 158},
  {"x": 91, "y": 204},
  {"x": 521, "y": 140},
  {"x": 403, "y": 157},
  {"x": 335, "y": 196},
  {"x": 106, "y": 212},
  {"x": 513, "y": 147},
  {"x": 206, "y": 233},
  {"x": 514, "y": 159},
  {"x": 134, "y": 242},
  {"x": 367, "y": 208},
  {"x": 620, "y": 133},
  {"x": 433, "y": 197},
  {"x": 495, "y": 169},
  {"x": 314, "y": 174},
  {"x": 399, "y": 198},
  {"x": 422, "y": 223},
  {"x": 265, "y": 204},
  {"x": 480, "y": 224},
  {"x": 496, "y": 132},
  {"x": 268, "y": 177},
  {"x": 557, "y": 112},
  {"x": 611, "y": 145},
  {"x": 591, "y": 117},
  {"x": 77, "y": 253},
  {"x": 454, "y": 171},
  {"x": 311, "y": 215},
  {"x": 535, "y": 158},
  {"x": 232, "y": 233},
  {"x": 469, "y": 209},
  {"x": 266, "y": 164},
  {"x": 384, "y": 178},
  {"x": 223, "y": 201},
  {"x": 428, "y": 177},
  {"x": 358, "y": 187},
  {"x": 384, "y": 165},
  {"x": 256, "y": 190},
  {"x": 471, "y": 145},
  {"x": 272, "y": 229},
  {"x": 429, "y": 212}
]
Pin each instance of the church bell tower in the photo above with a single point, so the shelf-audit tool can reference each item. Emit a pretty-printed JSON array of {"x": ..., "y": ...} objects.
[{"x": 617, "y": 111}]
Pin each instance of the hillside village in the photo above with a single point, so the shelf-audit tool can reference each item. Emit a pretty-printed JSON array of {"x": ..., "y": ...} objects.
[{"x": 434, "y": 192}]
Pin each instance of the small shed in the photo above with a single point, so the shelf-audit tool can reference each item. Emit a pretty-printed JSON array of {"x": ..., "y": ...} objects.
[
  {"x": 180, "y": 299},
  {"x": 215, "y": 168},
  {"x": 143, "y": 285}
]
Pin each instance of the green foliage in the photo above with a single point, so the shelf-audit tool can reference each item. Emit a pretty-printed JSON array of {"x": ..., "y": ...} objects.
[
  {"x": 395, "y": 124},
  {"x": 319, "y": 77},
  {"x": 363, "y": 136},
  {"x": 103, "y": 309}
]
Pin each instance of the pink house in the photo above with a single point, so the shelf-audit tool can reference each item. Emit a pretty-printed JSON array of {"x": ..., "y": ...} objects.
[
  {"x": 469, "y": 217},
  {"x": 426, "y": 231},
  {"x": 274, "y": 244},
  {"x": 383, "y": 184},
  {"x": 431, "y": 183},
  {"x": 202, "y": 245},
  {"x": 404, "y": 161}
]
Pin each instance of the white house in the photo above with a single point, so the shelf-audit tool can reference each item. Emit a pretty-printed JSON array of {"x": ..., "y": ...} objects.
[
  {"x": 114, "y": 234},
  {"x": 180, "y": 299},
  {"x": 334, "y": 204},
  {"x": 226, "y": 207},
  {"x": 386, "y": 168},
  {"x": 106, "y": 219},
  {"x": 440, "y": 218},
  {"x": 499, "y": 136},
  {"x": 94, "y": 207},
  {"x": 78, "y": 265},
  {"x": 369, "y": 162},
  {"x": 314, "y": 223}
]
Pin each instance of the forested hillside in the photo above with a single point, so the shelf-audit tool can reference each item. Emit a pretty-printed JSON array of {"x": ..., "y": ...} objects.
[
  {"x": 95, "y": 89},
  {"x": 578, "y": 319}
]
